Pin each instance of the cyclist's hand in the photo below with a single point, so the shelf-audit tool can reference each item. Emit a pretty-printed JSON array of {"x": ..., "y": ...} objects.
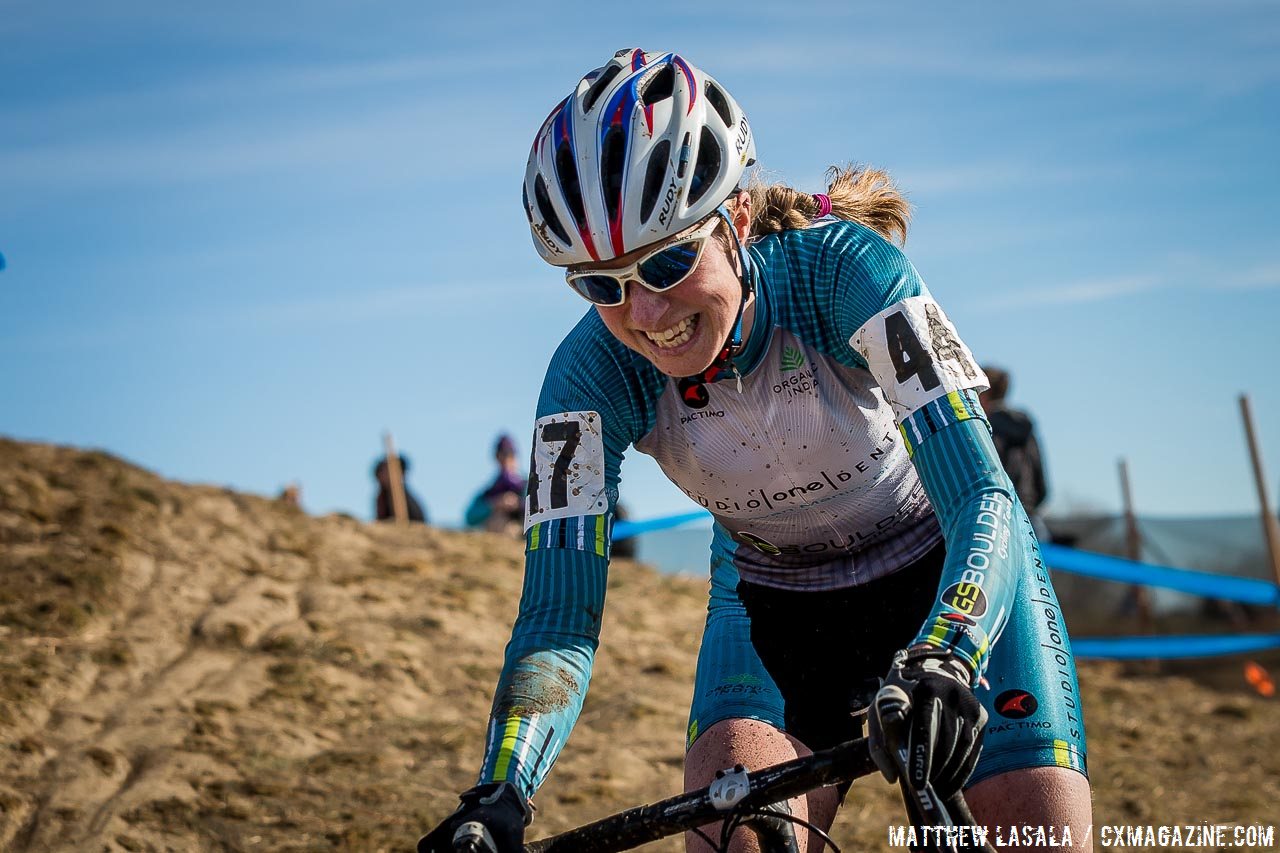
[
  {"x": 494, "y": 815},
  {"x": 927, "y": 708}
]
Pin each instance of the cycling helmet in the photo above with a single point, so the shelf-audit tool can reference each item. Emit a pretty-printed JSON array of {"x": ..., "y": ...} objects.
[{"x": 643, "y": 148}]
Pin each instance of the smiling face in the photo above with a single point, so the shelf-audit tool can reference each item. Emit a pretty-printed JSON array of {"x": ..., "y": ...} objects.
[{"x": 682, "y": 330}]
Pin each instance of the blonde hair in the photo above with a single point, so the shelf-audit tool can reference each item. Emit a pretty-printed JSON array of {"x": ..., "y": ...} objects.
[{"x": 858, "y": 193}]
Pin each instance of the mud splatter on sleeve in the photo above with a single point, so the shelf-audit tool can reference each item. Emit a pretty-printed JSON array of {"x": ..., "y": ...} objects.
[
  {"x": 592, "y": 408},
  {"x": 548, "y": 665}
]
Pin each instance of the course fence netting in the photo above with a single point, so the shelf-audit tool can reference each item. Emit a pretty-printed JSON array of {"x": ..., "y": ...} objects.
[{"x": 1103, "y": 567}]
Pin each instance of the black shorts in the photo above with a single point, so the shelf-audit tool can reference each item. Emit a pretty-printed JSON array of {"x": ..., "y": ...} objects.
[{"x": 825, "y": 649}]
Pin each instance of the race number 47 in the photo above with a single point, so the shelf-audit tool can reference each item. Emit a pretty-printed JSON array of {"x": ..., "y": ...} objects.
[
  {"x": 568, "y": 434},
  {"x": 566, "y": 468}
]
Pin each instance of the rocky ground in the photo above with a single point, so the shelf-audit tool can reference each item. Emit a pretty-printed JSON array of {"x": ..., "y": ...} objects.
[{"x": 189, "y": 668}]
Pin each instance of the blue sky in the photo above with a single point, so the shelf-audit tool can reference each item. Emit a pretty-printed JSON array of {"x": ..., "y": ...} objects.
[{"x": 244, "y": 239}]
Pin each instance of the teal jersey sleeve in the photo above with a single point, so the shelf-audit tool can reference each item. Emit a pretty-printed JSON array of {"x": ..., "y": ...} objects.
[
  {"x": 547, "y": 667},
  {"x": 592, "y": 407},
  {"x": 869, "y": 274},
  {"x": 826, "y": 281},
  {"x": 981, "y": 519},
  {"x": 931, "y": 380}
]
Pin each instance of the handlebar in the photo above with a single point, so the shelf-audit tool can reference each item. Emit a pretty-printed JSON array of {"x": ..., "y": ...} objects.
[{"x": 752, "y": 791}]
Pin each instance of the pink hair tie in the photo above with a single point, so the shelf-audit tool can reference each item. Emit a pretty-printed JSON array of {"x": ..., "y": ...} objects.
[{"x": 824, "y": 204}]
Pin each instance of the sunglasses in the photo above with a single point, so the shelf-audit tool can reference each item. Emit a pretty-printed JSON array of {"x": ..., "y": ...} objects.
[{"x": 661, "y": 269}]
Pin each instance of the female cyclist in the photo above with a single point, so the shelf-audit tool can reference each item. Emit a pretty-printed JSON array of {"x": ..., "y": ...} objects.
[{"x": 785, "y": 365}]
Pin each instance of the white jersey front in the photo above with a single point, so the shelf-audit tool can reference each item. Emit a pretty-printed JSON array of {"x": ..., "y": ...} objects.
[{"x": 804, "y": 465}]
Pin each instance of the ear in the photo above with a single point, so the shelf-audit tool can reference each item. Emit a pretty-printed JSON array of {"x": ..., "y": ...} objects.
[{"x": 742, "y": 215}]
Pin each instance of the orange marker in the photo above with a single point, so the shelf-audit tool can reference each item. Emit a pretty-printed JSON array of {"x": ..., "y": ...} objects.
[{"x": 1259, "y": 680}]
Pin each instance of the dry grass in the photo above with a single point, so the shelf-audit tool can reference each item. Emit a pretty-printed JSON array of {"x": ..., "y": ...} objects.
[{"x": 187, "y": 668}]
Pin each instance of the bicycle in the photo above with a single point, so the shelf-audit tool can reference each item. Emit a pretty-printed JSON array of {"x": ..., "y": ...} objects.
[{"x": 754, "y": 800}]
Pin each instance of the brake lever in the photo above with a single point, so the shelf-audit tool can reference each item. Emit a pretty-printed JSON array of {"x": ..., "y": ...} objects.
[
  {"x": 473, "y": 837},
  {"x": 924, "y": 808},
  {"x": 958, "y": 808}
]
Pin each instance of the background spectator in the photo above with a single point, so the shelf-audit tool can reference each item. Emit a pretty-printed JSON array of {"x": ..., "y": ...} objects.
[
  {"x": 291, "y": 495},
  {"x": 382, "y": 507},
  {"x": 499, "y": 507},
  {"x": 1014, "y": 435}
]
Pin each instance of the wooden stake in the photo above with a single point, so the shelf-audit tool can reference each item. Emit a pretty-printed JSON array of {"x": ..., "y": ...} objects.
[
  {"x": 1270, "y": 527},
  {"x": 1133, "y": 550},
  {"x": 395, "y": 477}
]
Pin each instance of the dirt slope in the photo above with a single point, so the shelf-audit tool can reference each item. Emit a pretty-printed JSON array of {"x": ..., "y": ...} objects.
[{"x": 188, "y": 668}]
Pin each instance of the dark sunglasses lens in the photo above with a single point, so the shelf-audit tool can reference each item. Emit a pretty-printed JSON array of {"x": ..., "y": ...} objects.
[
  {"x": 669, "y": 267},
  {"x": 600, "y": 289}
]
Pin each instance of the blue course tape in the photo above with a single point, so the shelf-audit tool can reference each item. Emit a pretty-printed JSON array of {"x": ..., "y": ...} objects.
[
  {"x": 1137, "y": 648},
  {"x": 1207, "y": 584},
  {"x": 1226, "y": 587},
  {"x": 627, "y": 529}
]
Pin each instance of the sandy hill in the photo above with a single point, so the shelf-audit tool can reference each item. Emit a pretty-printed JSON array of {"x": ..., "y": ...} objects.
[{"x": 188, "y": 668}]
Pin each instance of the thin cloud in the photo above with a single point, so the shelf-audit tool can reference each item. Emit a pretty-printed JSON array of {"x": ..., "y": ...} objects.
[
  {"x": 395, "y": 143},
  {"x": 1258, "y": 278},
  {"x": 1234, "y": 51},
  {"x": 308, "y": 315},
  {"x": 233, "y": 122},
  {"x": 358, "y": 307},
  {"x": 243, "y": 88},
  {"x": 1078, "y": 293},
  {"x": 938, "y": 60},
  {"x": 1196, "y": 271},
  {"x": 964, "y": 178}
]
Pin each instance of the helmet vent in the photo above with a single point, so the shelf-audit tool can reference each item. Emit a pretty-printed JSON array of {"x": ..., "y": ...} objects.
[
  {"x": 659, "y": 160},
  {"x": 706, "y": 168},
  {"x": 717, "y": 100},
  {"x": 659, "y": 86},
  {"x": 597, "y": 88},
  {"x": 567, "y": 172},
  {"x": 612, "y": 163},
  {"x": 546, "y": 211}
]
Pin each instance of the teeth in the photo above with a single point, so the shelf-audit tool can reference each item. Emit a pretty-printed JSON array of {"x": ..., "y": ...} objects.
[{"x": 678, "y": 334}]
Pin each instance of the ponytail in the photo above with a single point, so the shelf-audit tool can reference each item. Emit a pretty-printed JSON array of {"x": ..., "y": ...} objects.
[{"x": 863, "y": 195}]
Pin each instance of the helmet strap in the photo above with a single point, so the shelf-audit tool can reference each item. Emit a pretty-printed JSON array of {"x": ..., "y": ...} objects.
[{"x": 723, "y": 366}]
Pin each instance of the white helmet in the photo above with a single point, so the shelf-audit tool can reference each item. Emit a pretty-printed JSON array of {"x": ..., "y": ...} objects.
[{"x": 643, "y": 148}]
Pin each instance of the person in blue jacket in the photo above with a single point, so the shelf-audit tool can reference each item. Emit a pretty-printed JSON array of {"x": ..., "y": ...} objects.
[
  {"x": 499, "y": 506},
  {"x": 786, "y": 366}
]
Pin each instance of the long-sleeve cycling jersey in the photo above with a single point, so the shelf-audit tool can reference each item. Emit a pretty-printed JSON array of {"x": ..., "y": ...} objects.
[{"x": 850, "y": 374}]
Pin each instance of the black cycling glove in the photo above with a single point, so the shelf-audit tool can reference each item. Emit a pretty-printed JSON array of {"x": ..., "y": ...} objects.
[
  {"x": 926, "y": 723},
  {"x": 495, "y": 815}
]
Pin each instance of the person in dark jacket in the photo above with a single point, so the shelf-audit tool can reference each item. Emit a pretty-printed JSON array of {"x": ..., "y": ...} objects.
[
  {"x": 382, "y": 507},
  {"x": 1014, "y": 435}
]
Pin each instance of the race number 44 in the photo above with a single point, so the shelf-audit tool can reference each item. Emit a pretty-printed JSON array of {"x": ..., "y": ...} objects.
[
  {"x": 566, "y": 468},
  {"x": 915, "y": 354}
]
